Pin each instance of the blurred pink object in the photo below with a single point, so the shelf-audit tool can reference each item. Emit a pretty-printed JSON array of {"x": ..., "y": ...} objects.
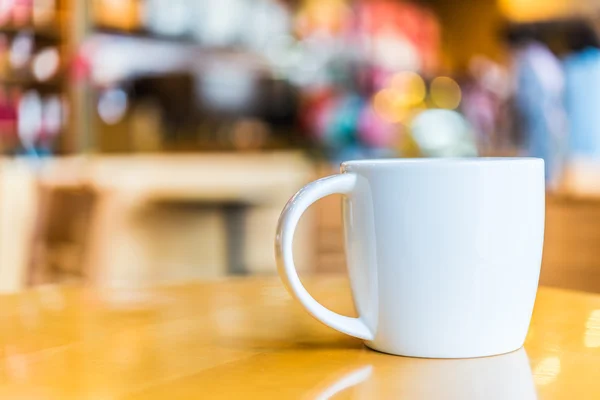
[
  {"x": 411, "y": 26},
  {"x": 21, "y": 12},
  {"x": 374, "y": 131}
]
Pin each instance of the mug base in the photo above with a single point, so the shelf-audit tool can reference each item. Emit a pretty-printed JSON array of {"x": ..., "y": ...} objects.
[{"x": 371, "y": 346}]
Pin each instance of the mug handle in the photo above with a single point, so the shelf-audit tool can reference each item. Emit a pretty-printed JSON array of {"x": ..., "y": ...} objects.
[{"x": 342, "y": 184}]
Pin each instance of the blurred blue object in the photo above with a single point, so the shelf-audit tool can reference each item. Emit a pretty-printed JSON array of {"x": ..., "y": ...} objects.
[
  {"x": 342, "y": 128},
  {"x": 540, "y": 97},
  {"x": 357, "y": 152},
  {"x": 352, "y": 152},
  {"x": 582, "y": 71}
]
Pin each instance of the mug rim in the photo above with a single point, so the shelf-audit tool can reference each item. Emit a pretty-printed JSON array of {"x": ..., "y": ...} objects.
[{"x": 441, "y": 160}]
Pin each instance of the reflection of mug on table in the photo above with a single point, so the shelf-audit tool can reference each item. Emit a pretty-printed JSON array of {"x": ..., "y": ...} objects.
[{"x": 493, "y": 378}]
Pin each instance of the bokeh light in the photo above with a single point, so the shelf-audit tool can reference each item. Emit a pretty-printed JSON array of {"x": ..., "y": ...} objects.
[
  {"x": 375, "y": 131},
  {"x": 53, "y": 114},
  {"x": 404, "y": 93},
  {"x": 592, "y": 330},
  {"x": 46, "y": 63},
  {"x": 20, "y": 50},
  {"x": 30, "y": 117},
  {"x": 546, "y": 371},
  {"x": 384, "y": 103},
  {"x": 112, "y": 105},
  {"x": 443, "y": 133},
  {"x": 410, "y": 88},
  {"x": 445, "y": 92}
]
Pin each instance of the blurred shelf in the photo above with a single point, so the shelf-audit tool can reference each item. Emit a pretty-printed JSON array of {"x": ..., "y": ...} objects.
[
  {"x": 135, "y": 55},
  {"x": 147, "y": 35},
  {"x": 180, "y": 42},
  {"x": 50, "y": 34},
  {"x": 55, "y": 83}
]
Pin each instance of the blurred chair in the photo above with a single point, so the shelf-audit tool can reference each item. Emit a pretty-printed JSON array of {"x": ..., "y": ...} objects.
[
  {"x": 571, "y": 251},
  {"x": 18, "y": 213},
  {"x": 60, "y": 235}
]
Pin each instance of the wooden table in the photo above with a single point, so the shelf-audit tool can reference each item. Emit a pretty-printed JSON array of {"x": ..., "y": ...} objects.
[{"x": 245, "y": 338}]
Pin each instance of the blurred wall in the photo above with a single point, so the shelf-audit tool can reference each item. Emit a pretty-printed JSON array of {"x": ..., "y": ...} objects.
[{"x": 469, "y": 27}]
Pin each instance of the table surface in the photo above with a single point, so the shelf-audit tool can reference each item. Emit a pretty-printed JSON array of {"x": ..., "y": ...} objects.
[{"x": 246, "y": 338}]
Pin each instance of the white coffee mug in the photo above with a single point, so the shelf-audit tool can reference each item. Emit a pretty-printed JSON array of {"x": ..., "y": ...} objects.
[{"x": 443, "y": 254}]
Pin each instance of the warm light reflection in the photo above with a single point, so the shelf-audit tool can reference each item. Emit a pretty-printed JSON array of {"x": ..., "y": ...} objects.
[
  {"x": 396, "y": 103},
  {"x": 352, "y": 379},
  {"x": 445, "y": 92},
  {"x": 410, "y": 88},
  {"x": 546, "y": 371},
  {"x": 324, "y": 16},
  {"x": 384, "y": 104},
  {"x": 592, "y": 330},
  {"x": 51, "y": 297},
  {"x": 536, "y": 10},
  {"x": 15, "y": 364}
]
